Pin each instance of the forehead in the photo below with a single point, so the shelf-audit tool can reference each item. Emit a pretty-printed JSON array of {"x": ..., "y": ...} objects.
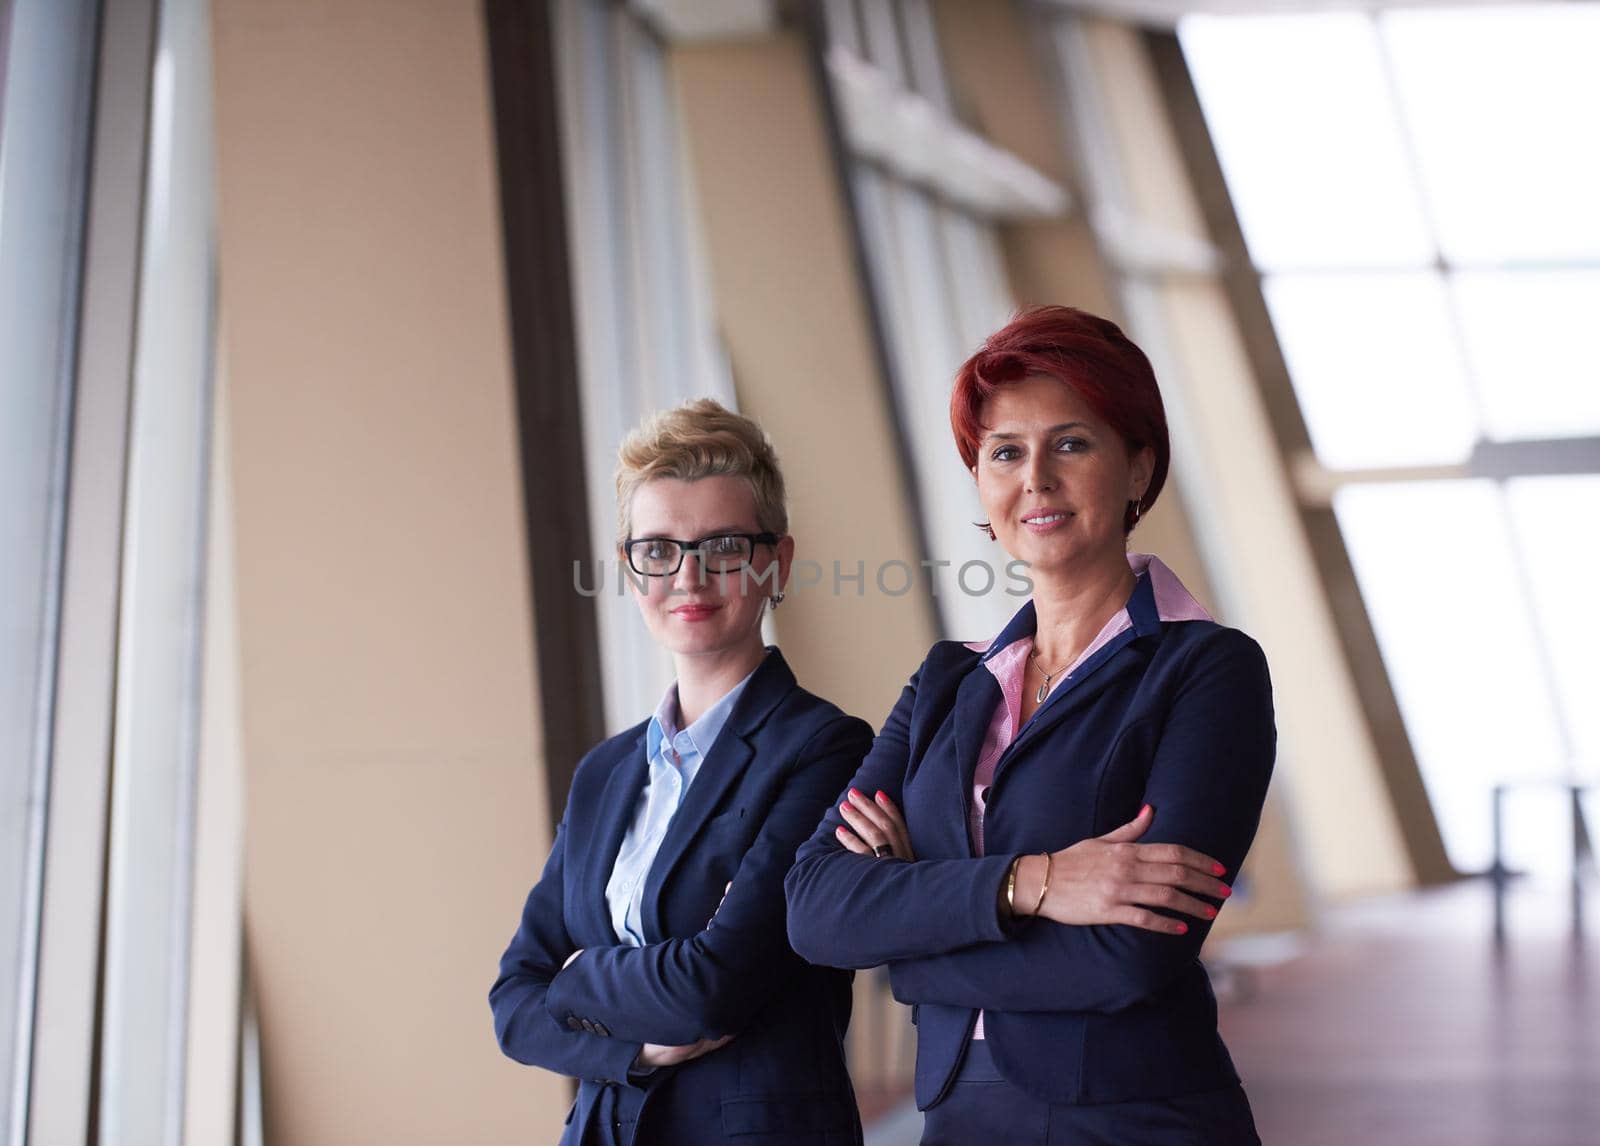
[
  {"x": 672, "y": 507},
  {"x": 1035, "y": 403}
]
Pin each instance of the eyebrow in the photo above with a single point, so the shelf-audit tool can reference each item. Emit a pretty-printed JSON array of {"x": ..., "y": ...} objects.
[
  {"x": 993, "y": 435},
  {"x": 718, "y": 532}
]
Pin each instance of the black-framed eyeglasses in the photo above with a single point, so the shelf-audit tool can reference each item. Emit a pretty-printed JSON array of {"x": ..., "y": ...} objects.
[{"x": 719, "y": 553}]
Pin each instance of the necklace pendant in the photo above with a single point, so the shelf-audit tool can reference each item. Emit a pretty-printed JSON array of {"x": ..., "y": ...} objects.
[{"x": 1044, "y": 691}]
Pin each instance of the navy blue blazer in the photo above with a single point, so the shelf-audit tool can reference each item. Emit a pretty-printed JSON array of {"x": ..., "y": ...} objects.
[
  {"x": 705, "y": 970},
  {"x": 1175, "y": 714}
]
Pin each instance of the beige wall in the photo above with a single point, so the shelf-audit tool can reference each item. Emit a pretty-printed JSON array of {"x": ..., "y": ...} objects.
[{"x": 395, "y": 816}]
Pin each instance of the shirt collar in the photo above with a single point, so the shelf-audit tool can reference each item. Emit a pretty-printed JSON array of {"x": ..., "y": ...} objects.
[
  {"x": 1173, "y": 601},
  {"x": 702, "y": 733},
  {"x": 1158, "y": 597}
]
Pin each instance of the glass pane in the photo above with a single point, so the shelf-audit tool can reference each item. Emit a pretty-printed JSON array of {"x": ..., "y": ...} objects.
[
  {"x": 840, "y": 23},
  {"x": 663, "y": 326},
  {"x": 882, "y": 40},
  {"x": 1301, "y": 118},
  {"x": 1530, "y": 344},
  {"x": 1375, "y": 366},
  {"x": 150, "y": 856},
  {"x": 1440, "y": 579},
  {"x": 1554, "y": 519},
  {"x": 922, "y": 52},
  {"x": 1502, "y": 104},
  {"x": 906, "y": 235},
  {"x": 47, "y": 54},
  {"x": 647, "y": 339},
  {"x": 975, "y": 269}
]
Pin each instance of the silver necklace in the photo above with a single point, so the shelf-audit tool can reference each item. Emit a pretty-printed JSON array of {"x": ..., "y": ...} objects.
[{"x": 1044, "y": 689}]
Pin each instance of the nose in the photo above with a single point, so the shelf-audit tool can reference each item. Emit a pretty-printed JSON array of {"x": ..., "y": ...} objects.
[
  {"x": 691, "y": 574},
  {"x": 1039, "y": 476}
]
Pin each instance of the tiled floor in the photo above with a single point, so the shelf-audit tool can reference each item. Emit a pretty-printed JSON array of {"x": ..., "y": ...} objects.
[{"x": 1402, "y": 1025}]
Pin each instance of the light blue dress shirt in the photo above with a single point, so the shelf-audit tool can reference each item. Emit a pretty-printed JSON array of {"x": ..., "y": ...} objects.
[{"x": 674, "y": 757}]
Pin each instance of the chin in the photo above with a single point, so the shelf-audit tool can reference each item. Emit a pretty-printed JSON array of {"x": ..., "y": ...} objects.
[{"x": 1057, "y": 558}]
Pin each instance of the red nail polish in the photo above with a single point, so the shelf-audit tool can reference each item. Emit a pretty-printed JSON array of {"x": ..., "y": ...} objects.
[
  {"x": 856, "y": 792},
  {"x": 1226, "y": 891},
  {"x": 843, "y": 808},
  {"x": 1211, "y": 912},
  {"x": 881, "y": 796},
  {"x": 1143, "y": 810},
  {"x": 1183, "y": 929},
  {"x": 1218, "y": 869}
]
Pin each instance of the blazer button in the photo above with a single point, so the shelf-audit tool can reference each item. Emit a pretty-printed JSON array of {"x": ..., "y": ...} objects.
[
  {"x": 588, "y": 1025},
  {"x": 600, "y": 1029},
  {"x": 573, "y": 1024}
]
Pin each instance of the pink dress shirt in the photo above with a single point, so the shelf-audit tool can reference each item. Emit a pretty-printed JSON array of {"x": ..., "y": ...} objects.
[{"x": 1010, "y": 666}]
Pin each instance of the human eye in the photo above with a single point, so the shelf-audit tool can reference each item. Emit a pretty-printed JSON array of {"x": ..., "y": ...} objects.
[
  {"x": 655, "y": 548},
  {"x": 726, "y": 545},
  {"x": 1005, "y": 453},
  {"x": 1072, "y": 445}
]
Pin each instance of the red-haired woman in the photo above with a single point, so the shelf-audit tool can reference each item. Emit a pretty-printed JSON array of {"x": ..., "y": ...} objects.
[{"x": 1046, "y": 826}]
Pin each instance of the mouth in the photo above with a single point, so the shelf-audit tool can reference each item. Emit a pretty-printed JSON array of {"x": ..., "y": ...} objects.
[
  {"x": 694, "y": 612},
  {"x": 1045, "y": 520}
]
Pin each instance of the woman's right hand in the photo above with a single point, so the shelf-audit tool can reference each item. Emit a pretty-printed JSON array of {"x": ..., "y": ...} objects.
[
  {"x": 654, "y": 1054},
  {"x": 1112, "y": 879}
]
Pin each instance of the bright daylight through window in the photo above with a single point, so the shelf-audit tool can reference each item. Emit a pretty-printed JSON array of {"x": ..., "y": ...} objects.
[{"x": 1417, "y": 190}]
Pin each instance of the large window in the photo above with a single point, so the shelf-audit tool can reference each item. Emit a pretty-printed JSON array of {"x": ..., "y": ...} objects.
[
  {"x": 107, "y": 286},
  {"x": 645, "y": 330},
  {"x": 1417, "y": 191}
]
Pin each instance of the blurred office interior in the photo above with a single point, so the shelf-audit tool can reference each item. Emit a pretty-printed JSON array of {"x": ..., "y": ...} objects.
[{"x": 320, "y": 322}]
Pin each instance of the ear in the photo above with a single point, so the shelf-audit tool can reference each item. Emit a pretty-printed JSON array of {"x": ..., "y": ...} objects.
[
  {"x": 1142, "y": 466},
  {"x": 785, "y": 548}
]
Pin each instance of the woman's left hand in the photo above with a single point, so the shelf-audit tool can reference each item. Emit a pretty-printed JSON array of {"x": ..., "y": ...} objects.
[
  {"x": 656, "y": 1054},
  {"x": 875, "y": 827}
]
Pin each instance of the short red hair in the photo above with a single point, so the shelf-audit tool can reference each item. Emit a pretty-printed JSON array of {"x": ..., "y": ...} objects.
[{"x": 1087, "y": 354}]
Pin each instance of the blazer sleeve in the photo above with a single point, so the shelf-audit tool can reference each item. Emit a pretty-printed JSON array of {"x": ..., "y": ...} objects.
[
  {"x": 713, "y": 983},
  {"x": 523, "y": 1021},
  {"x": 856, "y": 911},
  {"x": 1207, "y": 783}
]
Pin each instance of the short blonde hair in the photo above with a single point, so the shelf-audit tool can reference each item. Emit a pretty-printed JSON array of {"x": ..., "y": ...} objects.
[{"x": 701, "y": 439}]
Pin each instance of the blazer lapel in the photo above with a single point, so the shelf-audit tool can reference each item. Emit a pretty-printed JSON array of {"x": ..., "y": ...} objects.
[
  {"x": 618, "y": 803},
  {"x": 1099, "y": 671},
  {"x": 727, "y": 761},
  {"x": 974, "y": 711}
]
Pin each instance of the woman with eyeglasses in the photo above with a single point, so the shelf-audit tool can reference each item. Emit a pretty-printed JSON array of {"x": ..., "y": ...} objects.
[
  {"x": 652, "y": 963},
  {"x": 1048, "y": 823}
]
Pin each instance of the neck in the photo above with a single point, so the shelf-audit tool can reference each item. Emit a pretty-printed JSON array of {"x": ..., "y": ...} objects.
[
  {"x": 1071, "y": 607},
  {"x": 704, "y": 679}
]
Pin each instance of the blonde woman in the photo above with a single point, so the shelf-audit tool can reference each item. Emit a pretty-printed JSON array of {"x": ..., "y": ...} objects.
[{"x": 651, "y": 963}]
